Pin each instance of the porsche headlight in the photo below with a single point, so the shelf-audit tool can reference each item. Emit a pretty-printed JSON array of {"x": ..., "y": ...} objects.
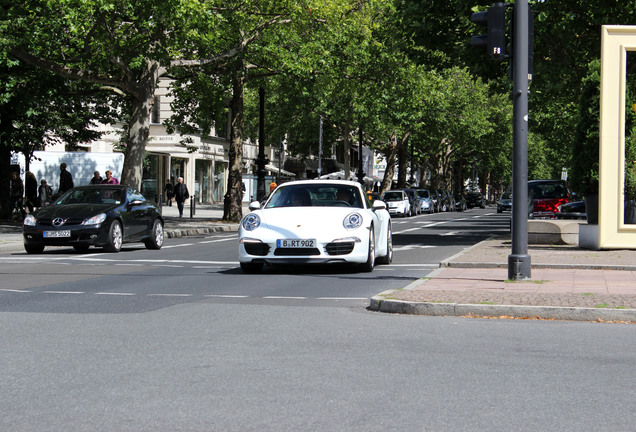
[
  {"x": 352, "y": 221},
  {"x": 30, "y": 220},
  {"x": 95, "y": 220},
  {"x": 251, "y": 222}
]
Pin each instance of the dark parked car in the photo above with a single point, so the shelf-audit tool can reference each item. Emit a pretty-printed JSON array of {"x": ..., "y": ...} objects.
[
  {"x": 475, "y": 199},
  {"x": 416, "y": 203},
  {"x": 547, "y": 196},
  {"x": 435, "y": 200},
  {"x": 460, "y": 202},
  {"x": 98, "y": 215},
  {"x": 504, "y": 203},
  {"x": 446, "y": 201},
  {"x": 571, "y": 210}
]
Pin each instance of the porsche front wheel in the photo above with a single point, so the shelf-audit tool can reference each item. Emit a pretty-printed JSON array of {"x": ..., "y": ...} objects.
[{"x": 368, "y": 266}]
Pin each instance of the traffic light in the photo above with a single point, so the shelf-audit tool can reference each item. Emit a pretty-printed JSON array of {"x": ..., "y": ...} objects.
[{"x": 495, "y": 41}]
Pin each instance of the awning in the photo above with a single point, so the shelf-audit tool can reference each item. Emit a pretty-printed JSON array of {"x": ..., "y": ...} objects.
[{"x": 274, "y": 169}]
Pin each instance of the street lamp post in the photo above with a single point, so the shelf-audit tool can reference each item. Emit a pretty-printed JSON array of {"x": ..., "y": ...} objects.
[{"x": 519, "y": 267}]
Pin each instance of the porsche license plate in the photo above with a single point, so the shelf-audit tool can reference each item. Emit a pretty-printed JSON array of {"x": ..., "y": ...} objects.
[
  {"x": 296, "y": 243},
  {"x": 61, "y": 233}
]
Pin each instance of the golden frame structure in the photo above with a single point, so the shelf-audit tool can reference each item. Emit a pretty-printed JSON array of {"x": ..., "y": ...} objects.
[{"x": 613, "y": 233}]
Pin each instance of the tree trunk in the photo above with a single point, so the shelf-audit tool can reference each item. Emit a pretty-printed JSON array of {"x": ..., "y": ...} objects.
[
  {"x": 346, "y": 137},
  {"x": 402, "y": 160},
  {"x": 139, "y": 126},
  {"x": 390, "y": 154},
  {"x": 232, "y": 207}
]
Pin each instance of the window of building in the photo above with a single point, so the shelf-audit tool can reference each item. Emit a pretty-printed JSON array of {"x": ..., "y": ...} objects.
[{"x": 155, "y": 116}]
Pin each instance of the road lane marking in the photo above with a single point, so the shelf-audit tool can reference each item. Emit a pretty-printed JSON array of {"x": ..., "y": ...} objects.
[
  {"x": 218, "y": 240},
  {"x": 179, "y": 245},
  {"x": 342, "y": 298},
  {"x": 116, "y": 293},
  {"x": 412, "y": 246},
  {"x": 226, "y": 296},
  {"x": 285, "y": 298},
  {"x": 63, "y": 292},
  {"x": 169, "y": 295},
  {"x": 15, "y": 290}
]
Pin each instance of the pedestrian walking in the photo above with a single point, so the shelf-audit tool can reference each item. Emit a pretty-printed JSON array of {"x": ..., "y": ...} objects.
[
  {"x": 169, "y": 191},
  {"x": 180, "y": 195},
  {"x": 45, "y": 193},
  {"x": 97, "y": 178},
  {"x": 31, "y": 191},
  {"x": 17, "y": 195},
  {"x": 66, "y": 180},
  {"x": 110, "y": 179}
]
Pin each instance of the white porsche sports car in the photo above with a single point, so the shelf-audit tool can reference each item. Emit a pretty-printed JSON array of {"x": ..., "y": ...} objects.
[{"x": 316, "y": 222}]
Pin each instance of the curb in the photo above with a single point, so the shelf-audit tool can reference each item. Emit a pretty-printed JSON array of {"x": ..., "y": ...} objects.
[
  {"x": 187, "y": 232},
  {"x": 379, "y": 303},
  {"x": 470, "y": 265}
]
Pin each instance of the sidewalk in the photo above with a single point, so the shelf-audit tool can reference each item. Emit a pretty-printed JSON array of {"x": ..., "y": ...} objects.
[{"x": 566, "y": 283}]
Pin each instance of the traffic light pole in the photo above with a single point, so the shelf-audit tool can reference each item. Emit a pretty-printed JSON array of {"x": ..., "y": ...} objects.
[{"x": 519, "y": 267}]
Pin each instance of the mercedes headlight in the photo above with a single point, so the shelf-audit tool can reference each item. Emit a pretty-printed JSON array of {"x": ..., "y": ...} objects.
[
  {"x": 251, "y": 222},
  {"x": 352, "y": 221},
  {"x": 30, "y": 220},
  {"x": 95, "y": 220}
]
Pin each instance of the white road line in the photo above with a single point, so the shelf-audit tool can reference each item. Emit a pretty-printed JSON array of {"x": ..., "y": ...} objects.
[
  {"x": 180, "y": 245},
  {"x": 342, "y": 298},
  {"x": 412, "y": 246},
  {"x": 226, "y": 296},
  {"x": 407, "y": 230},
  {"x": 413, "y": 265},
  {"x": 116, "y": 293},
  {"x": 285, "y": 298},
  {"x": 63, "y": 292},
  {"x": 15, "y": 290},
  {"x": 167, "y": 265},
  {"x": 217, "y": 240},
  {"x": 129, "y": 264},
  {"x": 169, "y": 295}
]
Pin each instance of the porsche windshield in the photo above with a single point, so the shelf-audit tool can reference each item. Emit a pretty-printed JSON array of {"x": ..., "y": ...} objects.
[{"x": 305, "y": 195}]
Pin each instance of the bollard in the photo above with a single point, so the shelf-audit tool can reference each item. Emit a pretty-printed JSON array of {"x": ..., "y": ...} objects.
[{"x": 193, "y": 206}]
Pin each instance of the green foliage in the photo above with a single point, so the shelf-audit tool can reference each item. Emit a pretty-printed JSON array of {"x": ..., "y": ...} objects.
[{"x": 585, "y": 145}]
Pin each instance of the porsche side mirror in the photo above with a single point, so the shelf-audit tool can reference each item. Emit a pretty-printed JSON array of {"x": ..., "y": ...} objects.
[{"x": 379, "y": 205}]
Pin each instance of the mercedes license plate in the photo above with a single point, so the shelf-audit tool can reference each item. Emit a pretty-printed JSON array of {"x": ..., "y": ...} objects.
[
  {"x": 61, "y": 233},
  {"x": 296, "y": 243}
]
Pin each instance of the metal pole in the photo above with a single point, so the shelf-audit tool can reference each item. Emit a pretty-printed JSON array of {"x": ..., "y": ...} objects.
[
  {"x": 320, "y": 150},
  {"x": 519, "y": 267},
  {"x": 260, "y": 162}
]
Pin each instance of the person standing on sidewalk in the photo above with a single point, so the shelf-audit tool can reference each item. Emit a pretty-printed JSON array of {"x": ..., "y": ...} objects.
[
  {"x": 169, "y": 190},
  {"x": 45, "y": 193},
  {"x": 110, "y": 179},
  {"x": 180, "y": 195},
  {"x": 66, "y": 180},
  {"x": 31, "y": 191},
  {"x": 97, "y": 178},
  {"x": 17, "y": 195}
]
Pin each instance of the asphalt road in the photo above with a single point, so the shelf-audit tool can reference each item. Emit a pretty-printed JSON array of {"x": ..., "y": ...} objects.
[{"x": 181, "y": 340}]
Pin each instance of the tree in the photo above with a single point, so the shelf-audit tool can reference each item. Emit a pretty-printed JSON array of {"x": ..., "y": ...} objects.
[{"x": 38, "y": 108}]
